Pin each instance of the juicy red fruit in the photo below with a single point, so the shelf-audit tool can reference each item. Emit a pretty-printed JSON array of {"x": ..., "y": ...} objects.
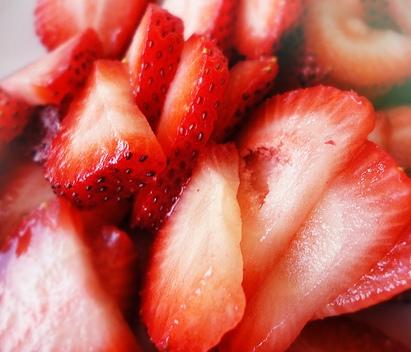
[
  {"x": 153, "y": 58},
  {"x": 190, "y": 111},
  {"x": 60, "y": 73},
  {"x": 105, "y": 149},
  {"x": 57, "y": 21}
]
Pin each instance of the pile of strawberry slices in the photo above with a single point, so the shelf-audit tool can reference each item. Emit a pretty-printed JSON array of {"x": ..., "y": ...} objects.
[{"x": 226, "y": 175}]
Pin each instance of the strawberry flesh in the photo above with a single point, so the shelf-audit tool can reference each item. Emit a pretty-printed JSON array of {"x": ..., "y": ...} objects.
[
  {"x": 191, "y": 300},
  {"x": 105, "y": 149},
  {"x": 190, "y": 111},
  {"x": 57, "y": 21},
  {"x": 59, "y": 74},
  {"x": 153, "y": 59}
]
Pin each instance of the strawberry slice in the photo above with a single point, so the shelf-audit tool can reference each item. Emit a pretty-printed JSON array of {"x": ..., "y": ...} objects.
[
  {"x": 60, "y": 73},
  {"x": 355, "y": 54},
  {"x": 343, "y": 335},
  {"x": 212, "y": 18},
  {"x": 358, "y": 220},
  {"x": 105, "y": 149},
  {"x": 153, "y": 58},
  {"x": 14, "y": 116},
  {"x": 190, "y": 110},
  {"x": 116, "y": 260},
  {"x": 292, "y": 149},
  {"x": 399, "y": 10},
  {"x": 56, "y": 21},
  {"x": 23, "y": 189},
  {"x": 48, "y": 276},
  {"x": 191, "y": 300},
  {"x": 249, "y": 84},
  {"x": 261, "y": 23},
  {"x": 388, "y": 278}
]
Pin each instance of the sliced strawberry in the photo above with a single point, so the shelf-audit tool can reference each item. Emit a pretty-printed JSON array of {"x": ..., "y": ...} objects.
[
  {"x": 190, "y": 110},
  {"x": 60, "y": 73},
  {"x": 261, "y": 23},
  {"x": 193, "y": 293},
  {"x": 354, "y": 54},
  {"x": 343, "y": 335},
  {"x": 380, "y": 133},
  {"x": 400, "y": 11},
  {"x": 153, "y": 58},
  {"x": 14, "y": 116},
  {"x": 116, "y": 261},
  {"x": 389, "y": 277},
  {"x": 51, "y": 297},
  {"x": 249, "y": 84},
  {"x": 358, "y": 220},
  {"x": 292, "y": 149},
  {"x": 57, "y": 21},
  {"x": 212, "y": 18},
  {"x": 22, "y": 190},
  {"x": 105, "y": 149}
]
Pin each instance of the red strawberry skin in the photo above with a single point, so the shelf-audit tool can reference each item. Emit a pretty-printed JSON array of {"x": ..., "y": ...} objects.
[
  {"x": 388, "y": 278},
  {"x": 190, "y": 111},
  {"x": 59, "y": 74},
  {"x": 261, "y": 23},
  {"x": 153, "y": 59},
  {"x": 14, "y": 116},
  {"x": 359, "y": 219},
  {"x": 116, "y": 257},
  {"x": 105, "y": 149},
  {"x": 249, "y": 83},
  {"x": 343, "y": 335},
  {"x": 56, "y": 21}
]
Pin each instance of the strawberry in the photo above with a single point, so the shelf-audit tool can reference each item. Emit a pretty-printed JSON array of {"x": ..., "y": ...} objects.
[
  {"x": 153, "y": 58},
  {"x": 23, "y": 188},
  {"x": 291, "y": 150},
  {"x": 212, "y": 18},
  {"x": 354, "y": 54},
  {"x": 56, "y": 21},
  {"x": 387, "y": 278},
  {"x": 60, "y": 73},
  {"x": 249, "y": 83},
  {"x": 116, "y": 260},
  {"x": 190, "y": 110},
  {"x": 261, "y": 24},
  {"x": 343, "y": 335},
  {"x": 105, "y": 149},
  {"x": 51, "y": 297},
  {"x": 399, "y": 10},
  {"x": 14, "y": 116},
  {"x": 191, "y": 300},
  {"x": 358, "y": 220}
]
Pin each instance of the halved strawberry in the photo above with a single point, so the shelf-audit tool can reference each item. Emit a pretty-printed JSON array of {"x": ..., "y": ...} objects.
[
  {"x": 358, "y": 220},
  {"x": 58, "y": 74},
  {"x": 105, "y": 149},
  {"x": 389, "y": 277},
  {"x": 249, "y": 83},
  {"x": 190, "y": 110},
  {"x": 354, "y": 54},
  {"x": 343, "y": 335},
  {"x": 400, "y": 12},
  {"x": 14, "y": 115},
  {"x": 212, "y": 18},
  {"x": 292, "y": 149},
  {"x": 51, "y": 297},
  {"x": 261, "y": 23},
  {"x": 193, "y": 293},
  {"x": 57, "y": 21},
  {"x": 22, "y": 189},
  {"x": 153, "y": 58},
  {"x": 116, "y": 257}
]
